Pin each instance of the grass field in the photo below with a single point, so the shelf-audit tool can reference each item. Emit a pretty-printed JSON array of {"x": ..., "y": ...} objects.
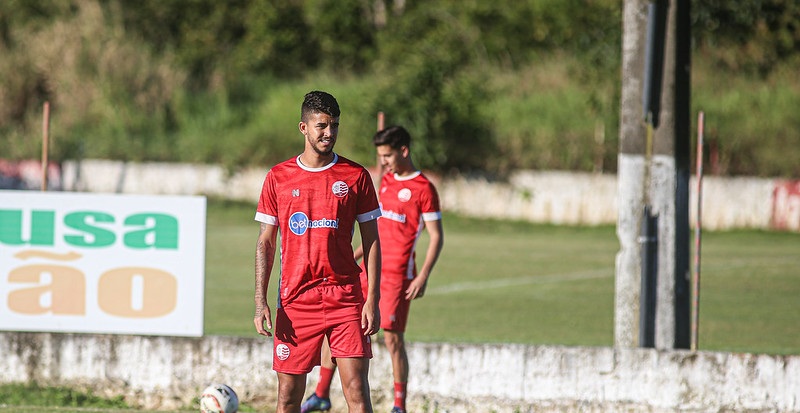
[
  {"x": 501, "y": 281},
  {"x": 23, "y": 398}
]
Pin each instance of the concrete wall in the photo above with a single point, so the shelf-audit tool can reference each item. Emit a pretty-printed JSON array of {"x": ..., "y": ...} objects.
[
  {"x": 538, "y": 196},
  {"x": 161, "y": 179},
  {"x": 167, "y": 373}
]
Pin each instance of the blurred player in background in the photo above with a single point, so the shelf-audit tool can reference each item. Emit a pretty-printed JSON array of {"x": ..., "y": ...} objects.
[
  {"x": 314, "y": 201},
  {"x": 409, "y": 204}
]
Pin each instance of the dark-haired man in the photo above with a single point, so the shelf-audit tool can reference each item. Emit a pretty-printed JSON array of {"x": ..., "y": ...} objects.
[{"x": 314, "y": 201}]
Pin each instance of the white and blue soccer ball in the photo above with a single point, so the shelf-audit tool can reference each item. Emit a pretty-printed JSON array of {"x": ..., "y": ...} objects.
[{"x": 219, "y": 398}]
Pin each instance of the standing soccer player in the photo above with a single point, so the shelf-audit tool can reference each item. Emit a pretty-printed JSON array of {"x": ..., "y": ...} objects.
[
  {"x": 314, "y": 200},
  {"x": 409, "y": 204}
]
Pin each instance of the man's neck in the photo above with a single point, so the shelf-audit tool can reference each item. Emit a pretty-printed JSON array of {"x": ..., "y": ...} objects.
[
  {"x": 406, "y": 170},
  {"x": 312, "y": 159}
]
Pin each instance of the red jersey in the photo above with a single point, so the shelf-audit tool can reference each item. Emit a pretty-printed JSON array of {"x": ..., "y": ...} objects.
[
  {"x": 406, "y": 202},
  {"x": 315, "y": 210}
]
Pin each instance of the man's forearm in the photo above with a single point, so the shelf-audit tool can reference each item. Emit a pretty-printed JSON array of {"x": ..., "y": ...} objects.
[
  {"x": 263, "y": 268},
  {"x": 373, "y": 266}
]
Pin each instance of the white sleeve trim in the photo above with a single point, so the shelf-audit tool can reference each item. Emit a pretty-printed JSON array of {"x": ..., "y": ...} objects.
[
  {"x": 369, "y": 216},
  {"x": 432, "y": 216},
  {"x": 266, "y": 219}
]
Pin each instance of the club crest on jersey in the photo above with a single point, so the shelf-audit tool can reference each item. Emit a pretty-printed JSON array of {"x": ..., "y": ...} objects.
[
  {"x": 340, "y": 188},
  {"x": 299, "y": 223},
  {"x": 282, "y": 351},
  {"x": 404, "y": 195}
]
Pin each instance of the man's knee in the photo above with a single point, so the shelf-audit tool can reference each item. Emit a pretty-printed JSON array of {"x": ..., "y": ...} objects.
[
  {"x": 394, "y": 341},
  {"x": 291, "y": 388},
  {"x": 353, "y": 372}
]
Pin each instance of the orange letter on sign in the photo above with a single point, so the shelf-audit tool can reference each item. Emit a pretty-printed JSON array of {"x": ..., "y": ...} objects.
[
  {"x": 137, "y": 292},
  {"x": 66, "y": 290}
]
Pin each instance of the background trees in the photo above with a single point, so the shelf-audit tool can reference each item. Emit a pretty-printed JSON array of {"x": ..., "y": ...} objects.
[{"x": 484, "y": 85}]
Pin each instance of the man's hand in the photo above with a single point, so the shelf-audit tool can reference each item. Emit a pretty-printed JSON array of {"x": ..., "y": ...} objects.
[
  {"x": 261, "y": 318},
  {"x": 370, "y": 318},
  {"x": 416, "y": 289}
]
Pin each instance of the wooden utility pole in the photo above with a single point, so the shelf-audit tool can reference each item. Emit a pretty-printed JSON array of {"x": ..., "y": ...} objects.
[
  {"x": 378, "y": 164},
  {"x": 45, "y": 143}
]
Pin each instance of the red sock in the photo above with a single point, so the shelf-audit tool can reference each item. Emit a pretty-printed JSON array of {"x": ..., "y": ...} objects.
[
  {"x": 400, "y": 395},
  {"x": 324, "y": 385}
]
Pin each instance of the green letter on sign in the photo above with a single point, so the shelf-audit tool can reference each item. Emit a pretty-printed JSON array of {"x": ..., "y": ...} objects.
[
  {"x": 42, "y": 227},
  {"x": 158, "y": 231},
  {"x": 95, "y": 236}
]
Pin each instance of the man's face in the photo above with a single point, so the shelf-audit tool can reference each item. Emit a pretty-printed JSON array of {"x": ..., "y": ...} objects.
[
  {"x": 320, "y": 130},
  {"x": 389, "y": 157}
]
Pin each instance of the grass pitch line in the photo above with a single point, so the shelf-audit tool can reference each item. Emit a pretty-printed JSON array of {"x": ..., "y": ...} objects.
[
  {"x": 517, "y": 281},
  {"x": 552, "y": 278}
]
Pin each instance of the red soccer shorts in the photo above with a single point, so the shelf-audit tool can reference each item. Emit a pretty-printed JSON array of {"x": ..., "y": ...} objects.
[
  {"x": 326, "y": 309},
  {"x": 394, "y": 306}
]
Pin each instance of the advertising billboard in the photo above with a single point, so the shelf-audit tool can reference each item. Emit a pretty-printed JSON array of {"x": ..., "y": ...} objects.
[{"x": 102, "y": 263}]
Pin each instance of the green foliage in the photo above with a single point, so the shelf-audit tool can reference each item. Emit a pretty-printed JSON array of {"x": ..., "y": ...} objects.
[
  {"x": 344, "y": 33},
  {"x": 481, "y": 85},
  {"x": 441, "y": 108},
  {"x": 202, "y": 34},
  {"x": 752, "y": 35},
  {"x": 436, "y": 92},
  {"x": 747, "y": 129},
  {"x": 561, "y": 129},
  {"x": 112, "y": 96},
  {"x": 274, "y": 39}
]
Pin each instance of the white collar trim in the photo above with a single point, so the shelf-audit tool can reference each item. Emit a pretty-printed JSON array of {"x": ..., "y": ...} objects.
[
  {"x": 407, "y": 177},
  {"x": 321, "y": 168}
]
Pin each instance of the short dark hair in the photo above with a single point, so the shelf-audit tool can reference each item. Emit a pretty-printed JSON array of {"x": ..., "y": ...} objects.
[
  {"x": 319, "y": 102},
  {"x": 394, "y": 136}
]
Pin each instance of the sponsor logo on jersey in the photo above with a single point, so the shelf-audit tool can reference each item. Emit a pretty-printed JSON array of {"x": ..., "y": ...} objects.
[
  {"x": 295, "y": 193},
  {"x": 282, "y": 351},
  {"x": 299, "y": 223},
  {"x": 394, "y": 216},
  {"x": 340, "y": 188},
  {"x": 404, "y": 195}
]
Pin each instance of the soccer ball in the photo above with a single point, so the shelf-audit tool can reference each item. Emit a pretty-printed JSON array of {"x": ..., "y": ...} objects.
[{"x": 219, "y": 398}]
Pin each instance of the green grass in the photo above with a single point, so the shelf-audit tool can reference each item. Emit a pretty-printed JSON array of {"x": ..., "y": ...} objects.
[
  {"x": 750, "y": 284},
  {"x": 31, "y": 398},
  {"x": 547, "y": 284},
  {"x": 518, "y": 282},
  {"x": 17, "y": 394}
]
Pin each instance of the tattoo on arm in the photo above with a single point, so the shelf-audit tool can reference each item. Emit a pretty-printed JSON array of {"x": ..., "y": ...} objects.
[{"x": 264, "y": 261}]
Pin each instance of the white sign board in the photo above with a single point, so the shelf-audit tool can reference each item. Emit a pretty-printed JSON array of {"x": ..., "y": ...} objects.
[{"x": 119, "y": 264}]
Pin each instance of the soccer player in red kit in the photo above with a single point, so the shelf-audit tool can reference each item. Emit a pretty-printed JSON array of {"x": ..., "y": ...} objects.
[
  {"x": 409, "y": 204},
  {"x": 314, "y": 201}
]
